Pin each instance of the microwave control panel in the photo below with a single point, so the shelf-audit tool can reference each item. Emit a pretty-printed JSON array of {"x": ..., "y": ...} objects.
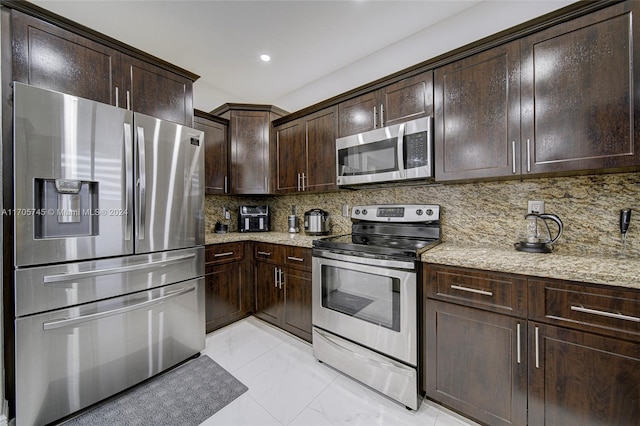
[{"x": 415, "y": 150}]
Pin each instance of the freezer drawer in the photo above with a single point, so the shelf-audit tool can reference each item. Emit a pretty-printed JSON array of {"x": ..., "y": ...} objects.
[
  {"x": 46, "y": 288},
  {"x": 69, "y": 359}
]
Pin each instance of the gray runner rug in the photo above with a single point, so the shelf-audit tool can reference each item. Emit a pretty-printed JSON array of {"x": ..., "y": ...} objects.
[{"x": 187, "y": 395}]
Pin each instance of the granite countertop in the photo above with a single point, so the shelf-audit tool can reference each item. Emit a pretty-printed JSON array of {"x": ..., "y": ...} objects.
[{"x": 609, "y": 270}]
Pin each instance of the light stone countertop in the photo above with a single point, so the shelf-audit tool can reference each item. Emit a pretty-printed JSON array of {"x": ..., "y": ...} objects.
[{"x": 606, "y": 270}]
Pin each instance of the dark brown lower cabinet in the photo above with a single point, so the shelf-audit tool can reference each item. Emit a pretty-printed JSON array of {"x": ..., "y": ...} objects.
[
  {"x": 228, "y": 285},
  {"x": 476, "y": 362},
  {"x": 582, "y": 379}
]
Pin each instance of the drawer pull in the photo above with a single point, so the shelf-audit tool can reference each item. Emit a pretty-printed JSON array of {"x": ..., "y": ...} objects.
[
  {"x": 518, "y": 342},
  {"x": 297, "y": 259},
  {"x": 264, "y": 253},
  {"x": 537, "y": 340},
  {"x": 604, "y": 313},
  {"x": 228, "y": 253},
  {"x": 472, "y": 290}
]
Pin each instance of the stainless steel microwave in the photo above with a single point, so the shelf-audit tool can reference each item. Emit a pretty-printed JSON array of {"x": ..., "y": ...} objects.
[{"x": 393, "y": 153}]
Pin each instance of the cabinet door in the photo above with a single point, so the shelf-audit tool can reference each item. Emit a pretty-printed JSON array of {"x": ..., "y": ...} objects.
[
  {"x": 49, "y": 57},
  {"x": 268, "y": 294},
  {"x": 357, "y": 115},
  {"x": 226, "y": 301},
  {"x": 156, "y": 92},
  {"x": 407, "y": 99},
  {"x": 291, "y": 155},
  {"x": 321, "y": 132},
  {"x": 249, "y": 152},
  {"x": 477, "y": 116},
  {"x": 216, "y": 177},
  {"x": 476, "y": 362},
  {"x": 297, "y": 303},
  {"x": 581, "y": 105},
  {"x": 582, "y": 379}
]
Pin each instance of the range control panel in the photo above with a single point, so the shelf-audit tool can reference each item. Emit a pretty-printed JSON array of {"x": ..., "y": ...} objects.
[{"x": 396, "y": 212}]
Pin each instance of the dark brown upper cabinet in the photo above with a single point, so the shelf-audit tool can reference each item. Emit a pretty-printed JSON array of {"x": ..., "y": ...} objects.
[
  {"x": 216, "y": 152},
  {"x": 404, "y": 100},
  {"x": 305, "y": 153},
  {"x": 580, "y": 98},
  {"x": 52, "y": 57},
  {"x": 477, "y": 115}
]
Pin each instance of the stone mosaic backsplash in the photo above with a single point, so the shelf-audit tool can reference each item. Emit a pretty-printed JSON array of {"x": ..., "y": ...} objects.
[{"x": 484, "y": 213}]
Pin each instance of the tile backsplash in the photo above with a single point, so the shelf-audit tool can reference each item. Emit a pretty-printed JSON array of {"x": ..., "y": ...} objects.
[{"x": 482, "y": 213}]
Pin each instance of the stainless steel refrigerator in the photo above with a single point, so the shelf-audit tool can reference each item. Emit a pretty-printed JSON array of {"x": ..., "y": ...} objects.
[{"x": 108, "y": 250}]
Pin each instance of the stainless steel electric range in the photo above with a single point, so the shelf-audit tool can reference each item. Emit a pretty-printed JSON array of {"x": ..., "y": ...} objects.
[{"x": 366, "y": 290}]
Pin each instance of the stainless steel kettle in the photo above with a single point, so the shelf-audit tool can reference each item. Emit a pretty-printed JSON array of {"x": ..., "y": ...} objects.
[
  {"x": 316, "y": 222},
  {"x": 533, "y": 234}
]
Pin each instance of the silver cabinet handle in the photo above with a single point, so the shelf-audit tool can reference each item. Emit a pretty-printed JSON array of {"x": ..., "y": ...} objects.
[
  {"x": 128, "y": 159},
  {"x": 281, "y": 280},
  {"x": 117, "y": 97},
  {"x": 299, "y": 186},
  {"x": 228, "y": 253},
  {"x": 297, "y": 259},
  {"x": 226, "y": 184},
  {"x": 528, "y": 155},
  {"x": 605, "y": 313},
  {"x": 142, "y": 185},
  {"x": 381, "y": 115},
  {"x": 264, "y": 253},
  {"x": 304, "y": 185},
  {"x": 537, "y": 338},
  {"x": 128, "y": 101},
  {"x": 375, "y": 118},
  {"x": 471, "y": 290},
  {"x": 275, "y": 277},
  {"x": 65, "y": 322},
  {"x": 518, "y": 342},
  {"x": 73, "y": 276},
  {"x": 513, "y": 156}
]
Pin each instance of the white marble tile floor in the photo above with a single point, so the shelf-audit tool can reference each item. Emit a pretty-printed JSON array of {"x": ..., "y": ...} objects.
[{"x": 288, "y": 386}]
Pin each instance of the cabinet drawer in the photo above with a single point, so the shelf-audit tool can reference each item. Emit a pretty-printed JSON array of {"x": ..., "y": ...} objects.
[
  {"x": 496, "y": 292},
  {"x": 267, "y": 252},
  {"x": 611, "y": 311},
  {"x": 223, "y": 253},
  {"x": 298, "y": 257}
]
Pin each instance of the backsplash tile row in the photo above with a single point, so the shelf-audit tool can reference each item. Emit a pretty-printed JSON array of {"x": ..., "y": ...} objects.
[{"x": 486, "y": 213}]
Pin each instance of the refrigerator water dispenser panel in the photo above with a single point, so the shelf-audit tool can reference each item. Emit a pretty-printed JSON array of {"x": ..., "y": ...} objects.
[{"x": 66, "y": 208}]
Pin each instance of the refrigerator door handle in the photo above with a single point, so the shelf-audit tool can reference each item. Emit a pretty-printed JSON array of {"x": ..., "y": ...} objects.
[
  {"x": 142, "y": 183},
  {"x": 66, "y": 322},
  {"x": 128, "y": 203},
  {"x": 59, "y": 278}
]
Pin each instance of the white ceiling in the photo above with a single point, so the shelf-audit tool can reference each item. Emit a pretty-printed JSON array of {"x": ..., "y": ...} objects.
[{"x": 319, "y": 48}]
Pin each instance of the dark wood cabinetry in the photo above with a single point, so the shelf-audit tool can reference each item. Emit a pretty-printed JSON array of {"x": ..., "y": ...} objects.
[
  {"x": 228, "y": 284},
  {"x": 216, "y": 151},
  {"x": 568, "y": 351},
  {"x": 52, "y": 57},
  {"x": 283, "y": 287},
  {"x": 251, "y": 146},
  {"x": 305, "y": 153},
  {"x": 404, "y": 100}
]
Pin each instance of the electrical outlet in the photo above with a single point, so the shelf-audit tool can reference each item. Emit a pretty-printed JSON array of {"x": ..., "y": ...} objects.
[
  {"x": 225, "y": 212},
  {"x": 345, "y": 210},
  {"x": 536, "y": 207}
]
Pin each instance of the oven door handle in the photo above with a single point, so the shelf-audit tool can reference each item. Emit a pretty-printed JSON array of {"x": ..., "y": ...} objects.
[
  {"x": 397, "y": 264},
  {"x": 388, "y": 365}
]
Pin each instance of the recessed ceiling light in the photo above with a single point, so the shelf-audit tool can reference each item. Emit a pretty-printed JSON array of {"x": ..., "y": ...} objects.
[{"x": 265, "y": 58}]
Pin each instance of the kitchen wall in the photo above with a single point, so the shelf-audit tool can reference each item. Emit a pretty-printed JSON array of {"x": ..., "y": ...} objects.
[{"x": 484, "y": 213}]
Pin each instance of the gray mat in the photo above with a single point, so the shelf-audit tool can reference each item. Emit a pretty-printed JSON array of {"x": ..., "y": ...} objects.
[{"x": 187, "y": 395}]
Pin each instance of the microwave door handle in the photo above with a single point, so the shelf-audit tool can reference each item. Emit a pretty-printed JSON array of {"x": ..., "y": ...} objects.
[{"x": 401, "y": 169}]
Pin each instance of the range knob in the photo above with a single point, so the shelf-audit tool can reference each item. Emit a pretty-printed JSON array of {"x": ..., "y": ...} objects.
[
  {"x": 364, "y": 211},
  {"x": 357, "y": 211},
  {"x": 429, "y": 212},
  {"x": 419, "y": 212}
]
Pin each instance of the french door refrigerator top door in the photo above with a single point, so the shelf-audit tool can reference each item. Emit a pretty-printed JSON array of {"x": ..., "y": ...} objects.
[
  {"x": 73, "y": 196},
  {"x": 169, "y": 186}
]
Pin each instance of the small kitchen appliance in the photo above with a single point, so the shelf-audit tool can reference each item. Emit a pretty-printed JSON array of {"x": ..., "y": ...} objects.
[
  {"x": 366, "y": 292},
  {"x": 253, "y": 219},
  {"x": 533, "y": 234},
  {"x": 316, "y": 222}
]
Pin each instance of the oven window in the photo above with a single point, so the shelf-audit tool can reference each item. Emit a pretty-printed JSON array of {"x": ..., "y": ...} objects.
[
  {"x": 370, "y": 158},
  {"x": 369, "y": 297}
]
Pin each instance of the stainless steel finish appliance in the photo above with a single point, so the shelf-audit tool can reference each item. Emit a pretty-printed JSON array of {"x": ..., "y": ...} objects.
[
  {"x": 394, "y": 153},
  {"x": 254, "y": 219},
  {"x": 365, "y": 291},
  {"x": 316, "y": 222},
  {"x": 108, "y": 236}
]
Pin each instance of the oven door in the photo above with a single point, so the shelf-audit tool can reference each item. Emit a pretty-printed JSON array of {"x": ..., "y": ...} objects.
[{"x": 372, "y": 302}]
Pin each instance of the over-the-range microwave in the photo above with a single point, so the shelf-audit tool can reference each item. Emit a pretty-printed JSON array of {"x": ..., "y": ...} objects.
[{"x": 393, "y": 153}]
